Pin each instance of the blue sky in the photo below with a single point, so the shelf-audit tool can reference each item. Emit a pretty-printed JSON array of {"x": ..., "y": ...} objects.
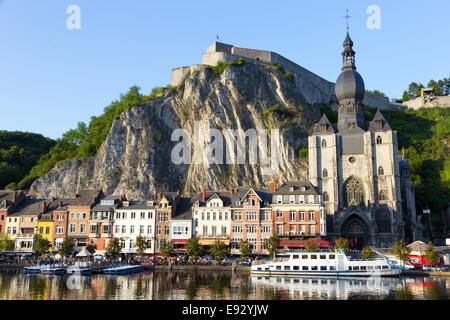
[{"x": 52, "y": 77}]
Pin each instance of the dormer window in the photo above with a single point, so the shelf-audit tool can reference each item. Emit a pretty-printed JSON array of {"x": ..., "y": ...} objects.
[
  {"x": 341, "y": 108},
  {"x": 303, "y": 188},
  {"x": 351, "y": 125},
  {"x": 291, "y": 189},
  {"x": 125, "y": 203},
  {"x": 324, "y": 143},
  {"x": 324, "y": 127},
  {"x": 350, "y": 107},
  {"x": 279, "y": 199}
]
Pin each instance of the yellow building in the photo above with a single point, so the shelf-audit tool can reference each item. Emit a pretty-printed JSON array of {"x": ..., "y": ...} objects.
[
  {"x": 45, "y": 226},
  {"x": 12, "y": 226}
]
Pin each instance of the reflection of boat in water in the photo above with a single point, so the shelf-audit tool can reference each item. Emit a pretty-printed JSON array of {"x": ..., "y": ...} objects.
[
  {"x": 126, "y": 269},
  {"x": 53, "y": 269},
  {"x": 83, "y": 268},
  {"x": 326, "y": 264},
  {"x": 327, "y": 287}
]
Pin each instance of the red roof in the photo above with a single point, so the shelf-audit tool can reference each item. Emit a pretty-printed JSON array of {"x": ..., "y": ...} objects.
[{"x": 179, "y": 241}]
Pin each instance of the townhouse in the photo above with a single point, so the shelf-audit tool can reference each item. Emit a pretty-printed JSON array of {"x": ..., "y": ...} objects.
[
  {"x": 166, "y": 207},
  {"x": 101, "y": 220},
  {"x": 9, "y": 200},
  {"x": 60, "y": 214},
  {"x": 181, "y": 225},
  {"x": 251, "y": 218},
  {"x": 78, "y": 215},
  {"x": 133, "y": 219},
  {"x": 212, "y": 217},
  {"x": 298, "y": 211}
]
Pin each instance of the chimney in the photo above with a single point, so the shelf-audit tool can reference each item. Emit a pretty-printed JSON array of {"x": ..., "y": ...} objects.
[
  {"x": 204, "y": 195},
  {"x": 159, "y": 196},
  {"x": 60, "y": 204},
  {"x": 231, "y": 191},
  {"x": 14, "y": 196},
  {"x": 53, "y": 199},
  {"x": 273, "y": 186},
  {"x": 43, "y": 207}
]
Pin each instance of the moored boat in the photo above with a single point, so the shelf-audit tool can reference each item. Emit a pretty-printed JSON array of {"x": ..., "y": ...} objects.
[{"x": 332, "y": 263}]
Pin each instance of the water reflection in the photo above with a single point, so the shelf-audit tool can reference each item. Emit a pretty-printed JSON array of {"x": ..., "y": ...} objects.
[{"x": 208, "y": 285}]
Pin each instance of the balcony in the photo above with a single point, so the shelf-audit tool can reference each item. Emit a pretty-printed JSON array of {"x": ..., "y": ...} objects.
[{"x": 107, "y": 235}]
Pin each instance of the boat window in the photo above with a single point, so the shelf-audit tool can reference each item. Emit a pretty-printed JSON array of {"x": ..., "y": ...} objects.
[
  {"x": 323, "y": 268},
  {"x": 363, "y": 268},
  {"x": 377, "y": 267},
  {"x": 278, "y": 279},
  {"x": 287, "y": 268},
  {"x": 287, "y": 280},
  {"x": 314, "y": 268},
  {"x": 370, "y": 267},
  {"x": 305, "y": 281},
  {"x": 332, "y": 256},
  {"x": 313, "y": 256},
  {"x": 304, "y": 256},
  {"x": 355, "y": 268},
  {"x": 296, "y": 268},
  {"x": 305, "y": 268},
  {"x": 332, "y": 281},
  {"x": 332, "y": 268},
  {"x": 322, "y": 256},
  {"x": 259, "y": 269},
  {"x": 315, "y": 282},
  {"x": 385, "y": 267},
  {"x": 278, "y": 267},
  {"x": 323, "y": 282},
  {"x": 266, "y": 269},
  {"x": 295, "y": 256},
  {"x": 349, "y": 268},
  {"x": 296, "y": 280}
]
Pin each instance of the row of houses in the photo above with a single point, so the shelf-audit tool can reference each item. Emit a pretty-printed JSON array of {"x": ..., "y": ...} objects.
[{"x": 293, "y": 210}]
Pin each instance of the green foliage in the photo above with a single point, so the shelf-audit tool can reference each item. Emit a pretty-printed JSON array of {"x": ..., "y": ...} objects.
[
  {"x": 400, "y": 250},
  {"x": 440, "y": 87},
  {"x": 6, "y": 244},
  {"x": 272, "y": 245},
  {"x": 221, "y": 67},
  {"x": 244, "y": 248},
  {"x": 367, "y": 253},
  {"x": 43, "y": 245},
  {"x": 430, "y": 254},
  {"x": 193, "y": 248},
  {"x": 376, "y": 92},
  {"x": 282, "y": 111},
  {"x": 341, "y": 244},
  {"x": 287, "y": 74},
  {"x": 114, "y": 247},
  {"x": 67, "y": 246},
  {"x": 331, "y": 115},
  {"x": 166, "y": 248},
  {"x": 19, "y": 152},
  {"x": 219, "y": 250},
  {"x": 310, "y": 246},
  {"x": 141, "y": 244},
  {"x": 302, "y": 152}
]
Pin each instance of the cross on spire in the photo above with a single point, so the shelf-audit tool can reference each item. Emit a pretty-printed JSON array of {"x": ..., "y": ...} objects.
[{"x": 347, "y": 17}]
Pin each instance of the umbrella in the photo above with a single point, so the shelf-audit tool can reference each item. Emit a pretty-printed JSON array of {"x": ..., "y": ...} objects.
[
  {"x": 58, "y": 256},
  {"x": 84, "y": 253}
]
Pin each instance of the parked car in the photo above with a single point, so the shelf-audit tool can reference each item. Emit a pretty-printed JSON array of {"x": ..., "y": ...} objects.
[
  {"x": 408, "y": 266},
  {"x": 247, "y": 262},
  {"x": 227, "y": 260},
  {"x": 427, "y": 268}
]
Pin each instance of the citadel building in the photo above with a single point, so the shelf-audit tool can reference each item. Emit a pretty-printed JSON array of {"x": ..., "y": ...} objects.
[{"x": 356, "y": 166}]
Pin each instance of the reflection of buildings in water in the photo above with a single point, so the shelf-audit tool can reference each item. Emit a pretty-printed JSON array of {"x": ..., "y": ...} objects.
[
  {"x": 422, "y": 288},
  {"x": 303, "y": 288}
]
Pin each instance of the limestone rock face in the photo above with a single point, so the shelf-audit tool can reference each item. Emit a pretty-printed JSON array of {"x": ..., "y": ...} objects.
[{"x": 135, "y": 158}]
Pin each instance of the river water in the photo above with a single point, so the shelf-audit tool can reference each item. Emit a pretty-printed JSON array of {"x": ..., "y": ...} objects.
[{"x": 212, "y": 285}]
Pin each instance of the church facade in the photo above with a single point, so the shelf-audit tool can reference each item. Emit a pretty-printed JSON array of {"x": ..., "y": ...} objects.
[{"x": 357, "y": 168}]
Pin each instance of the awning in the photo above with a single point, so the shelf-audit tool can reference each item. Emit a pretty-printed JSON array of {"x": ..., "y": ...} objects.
[
  {"x": 179, "y": 241},
  {"x": 211, "y": 242},
  {"x": 298, "y": 243}
]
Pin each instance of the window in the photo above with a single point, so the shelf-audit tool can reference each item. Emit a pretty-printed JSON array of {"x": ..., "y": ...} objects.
[
  {"x": 224, "y": 231},
  {"x": 380, "y": 171},
  {"x": 205, "y": 230},
  {"x": 302, "y": 215},
  {"x": 323, "y": 268},
  {"x": 220, "y": 215},
  {"x": 142, "y": 215},
  {"x": 279, "y": 214},
  {"x": 141, "y": 229},
  {"x": 332, "y": 257},
  {"x": 72, "y": 227},
  {"x": 237, "y": 216},
  {"x": 150, "y": 215},
  {"x": 131, "y": 229},
  {"x": 207, "y": 216},
  {"x": 311, "y": 216},
  {"x": 265, "y": 229},
  {"x": 292, "y": 216},
  {"x": 252, "y": 216},
  {"x": 158, "y": 229},
  {"x": 313, "y": 256},
  {"x": 116, "y": 229},
  {"x": 292, "y": 199},
  {"x": 106, "y": 229},
  {"x": 324, "y": 143},
  {"x": 378, "y": 124},
  {"x": 379, "y": 140},
  {"x": 322, "y": 256},
  {"x": 314, "y": 268},
  {"x": 323, "y": 127},
  {"x": 251, "y": 228},
  {"x": 325, "y": 173},
  {"x": 226, "y": 216},
  {"x": 84, "y": 215},
  {"x": 382, "y": 196},
  {"x": 47, "y": 230},
  {"x": 166, "y": 230},
  {"x": 350, "y": 107},
  {"x": 296, "y": 268},
  {"x": 351, "y": 125},
  {"x": 214, "y": 216},
  {"x": 41, "y": 230},
  {"x": 237, "y": 229},
  {"x": 312, "y": 229},
  {"x": 213, "y": 232},
  {"x": 278, "y": 267},
  {"x": 149, "y": 229},
  {"x": 82, "y": 227},
  {"x": 124, "y": 230},
  {"x": 325, "y": 196},
  {"x": 304, "y": 256},
  {"x": 295, "y": 256},
  {"x": 59, "y": 230},
  {"x": 279, "y": 199},
  {"x": 287, "y": 268},
  {"x": 305, "y": 268}
]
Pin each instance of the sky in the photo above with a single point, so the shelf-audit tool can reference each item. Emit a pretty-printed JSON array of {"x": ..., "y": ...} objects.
[{"x": 52, "y": 77}]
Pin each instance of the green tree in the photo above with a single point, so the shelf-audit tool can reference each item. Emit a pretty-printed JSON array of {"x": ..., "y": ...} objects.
[
  {"x": 406, "y": 96},
  {"x": 91, "y": 248},
  {"x": 141, "y": 244},
  {"x": 67, "y": 247},
  {"x": 43, "y": 245},
  {"x": 414, "y": 89},
  {"x": 310, "y": 246},
  {"x": 166, "y": 248},
  {"x": 114, "y": 248},
  {"x": 401, "y": 251},
  {"x": 244, "y": 248},
  {"x": 430, "y": 254},
  {"x": 341, "y": 244},
  {"x": 272, "y": 245},
  {"x": 367, "y": 253},
  {"x": 219, "y": 250},
  {"x": 193, "y": 248},
  {"x": 6, "y": 244}
]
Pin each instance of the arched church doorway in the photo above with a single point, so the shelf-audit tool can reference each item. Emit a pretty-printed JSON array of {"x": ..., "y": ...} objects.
[{"x": 356, "y": 231}]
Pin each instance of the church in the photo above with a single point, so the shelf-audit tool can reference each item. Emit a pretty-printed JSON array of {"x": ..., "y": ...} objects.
[{"x": 356, "y": 166}]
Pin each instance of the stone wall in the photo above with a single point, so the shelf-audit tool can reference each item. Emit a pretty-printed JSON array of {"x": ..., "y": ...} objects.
[{"x": 417, "y": 103}]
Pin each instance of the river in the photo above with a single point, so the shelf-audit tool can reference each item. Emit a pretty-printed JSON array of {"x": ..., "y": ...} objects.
[{"x": 213, "y": 285}]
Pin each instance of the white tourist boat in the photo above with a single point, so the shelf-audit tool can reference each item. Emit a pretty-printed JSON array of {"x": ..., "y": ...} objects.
[{"x": 325, "y": 264}]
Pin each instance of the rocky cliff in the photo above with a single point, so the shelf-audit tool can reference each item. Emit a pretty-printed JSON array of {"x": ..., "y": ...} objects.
[{"x": 135, "y": 159}]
